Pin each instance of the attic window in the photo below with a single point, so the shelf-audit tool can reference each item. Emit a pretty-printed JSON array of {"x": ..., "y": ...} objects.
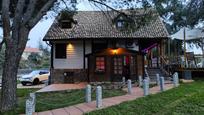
[
  {"x": 65, "y": 24},
  {"x": 121, "y": 24}
]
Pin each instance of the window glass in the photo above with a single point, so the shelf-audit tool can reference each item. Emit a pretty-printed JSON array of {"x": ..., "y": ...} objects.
[
  {"x": 100, "y": 64},
  {"x": 60, "y": 51},
  {"x": 118, "y": 63}
]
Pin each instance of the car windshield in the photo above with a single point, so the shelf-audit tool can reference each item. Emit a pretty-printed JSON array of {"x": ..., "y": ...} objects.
[{"x": 34, "y": 72}]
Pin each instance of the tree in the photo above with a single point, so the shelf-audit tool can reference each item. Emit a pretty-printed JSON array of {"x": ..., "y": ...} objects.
[{"x": 24, "y": 14}]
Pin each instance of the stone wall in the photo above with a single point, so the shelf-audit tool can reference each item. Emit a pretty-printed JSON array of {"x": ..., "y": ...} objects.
[
  {"x": 111, "y": 85},
  {"x": 68, "y": 75}
]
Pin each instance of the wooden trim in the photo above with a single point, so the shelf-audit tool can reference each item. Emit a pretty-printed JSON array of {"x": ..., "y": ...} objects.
[
  {"x": 51, "y": 57},
  {"x": 104, "y": 38},
  {"x": 84, "y": 53},
  {"x": 88, "y": 77}
]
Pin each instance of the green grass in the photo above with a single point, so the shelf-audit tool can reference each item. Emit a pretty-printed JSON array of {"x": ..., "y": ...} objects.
[
  {"x": 22, "y": 96},
  {"x": 187, "y": 99},
  {"x": 53, "y": 100}
]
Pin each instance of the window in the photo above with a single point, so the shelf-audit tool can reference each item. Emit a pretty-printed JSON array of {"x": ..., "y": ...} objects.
[
  {"x": 118, "y": 65},
  {"x": 120, "y": 24},
  {"x": 60, "y": 51},
  {"x": 100, "y": 64}
]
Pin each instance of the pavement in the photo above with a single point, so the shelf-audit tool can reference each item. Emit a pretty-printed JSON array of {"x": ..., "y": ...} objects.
[
  {"x": 61, "y": 87},
  {"x": 82, "y": 108}
]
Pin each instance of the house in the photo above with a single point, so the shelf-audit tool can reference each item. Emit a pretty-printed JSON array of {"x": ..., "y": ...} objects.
[
  {"x": 28, "y": 51},
  {"x": 99, "y": 47}
]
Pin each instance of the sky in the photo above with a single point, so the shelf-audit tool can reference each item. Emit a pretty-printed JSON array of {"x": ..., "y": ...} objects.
[{"x": 39, "y": 31}]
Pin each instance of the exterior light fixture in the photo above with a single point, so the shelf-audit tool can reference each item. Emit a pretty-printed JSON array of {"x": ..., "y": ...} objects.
[{"x": 115, "y": 51}]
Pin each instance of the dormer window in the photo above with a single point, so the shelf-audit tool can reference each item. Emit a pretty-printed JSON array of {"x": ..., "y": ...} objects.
[
  {"x": 66, "y": 19},
  {"x": 120, "y": 24},
  {"x": 65, "y": 24}
]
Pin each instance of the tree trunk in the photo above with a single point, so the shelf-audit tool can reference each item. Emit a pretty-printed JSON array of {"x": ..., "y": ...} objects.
[{"x": 13, "y": 54}]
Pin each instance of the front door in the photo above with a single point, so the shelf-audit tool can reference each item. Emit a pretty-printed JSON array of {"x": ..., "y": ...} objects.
[{"x": 121, "y": 68}]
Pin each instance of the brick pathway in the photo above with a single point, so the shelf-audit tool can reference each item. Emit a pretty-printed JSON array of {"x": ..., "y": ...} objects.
[
  {"x": 82, "y": 108},
  {"x": 60, "y": 87}
]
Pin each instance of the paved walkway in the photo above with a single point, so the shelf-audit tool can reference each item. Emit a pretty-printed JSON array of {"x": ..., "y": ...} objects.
[
  {"x": 82, "y": 108},
  {"x": 61, "y": 87}
]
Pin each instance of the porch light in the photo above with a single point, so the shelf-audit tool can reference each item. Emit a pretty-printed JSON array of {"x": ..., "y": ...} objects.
[
  {"x": 70, "y": 46},
  {"x": 115, "y": 51}
]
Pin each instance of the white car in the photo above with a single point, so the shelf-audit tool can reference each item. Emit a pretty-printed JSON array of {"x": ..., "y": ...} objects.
[{"x": 35, "y": 77}]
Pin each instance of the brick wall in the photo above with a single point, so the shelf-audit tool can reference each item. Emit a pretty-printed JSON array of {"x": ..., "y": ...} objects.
[{"x": 68, "y": 75}]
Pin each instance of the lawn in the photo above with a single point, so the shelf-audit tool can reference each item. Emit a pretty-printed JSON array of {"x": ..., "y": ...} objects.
[
  {"x": 187, "y": 99},
  {"x": 53, "y": 100}
]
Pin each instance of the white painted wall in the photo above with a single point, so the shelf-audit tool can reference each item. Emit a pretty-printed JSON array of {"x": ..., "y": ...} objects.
[{"x": 75, "y": 56}]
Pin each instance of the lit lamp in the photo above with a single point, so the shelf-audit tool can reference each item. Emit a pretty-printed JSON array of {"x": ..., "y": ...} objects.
[{"x": 115, "y": 51}]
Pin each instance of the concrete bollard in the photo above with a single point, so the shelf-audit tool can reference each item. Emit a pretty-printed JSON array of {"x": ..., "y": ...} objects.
[
  {"x": 148, "y": 79},
  {"x": 146, "y": 87},
  {"x": 98, "y": 96},
  {"x": 158, "y": 79},
  {"x": 129, "y": 86},
  {"x": 88, "y": 93},
  {"x": 161, "y": 83},
  {"x": 140, "y": 80},
  {"x": 29, "y": 109},
  {"x": 175, "y": 79},
  {"x": 123, "y": 81},
  {"x": 33, "y": 98}
]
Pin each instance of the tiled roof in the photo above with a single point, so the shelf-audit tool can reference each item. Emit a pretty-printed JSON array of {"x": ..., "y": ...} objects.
[
  {"x": 95, "y": 24},
  {"x": 31, "y": 50}
]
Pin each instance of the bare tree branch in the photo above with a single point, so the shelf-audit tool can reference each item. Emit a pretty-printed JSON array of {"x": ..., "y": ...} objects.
[
  {"x": 29, "y": 12},
  {"x": 17, "y": 19},
  {"x": 41, "y": 13},
  {"x": 99, "y": 2}
]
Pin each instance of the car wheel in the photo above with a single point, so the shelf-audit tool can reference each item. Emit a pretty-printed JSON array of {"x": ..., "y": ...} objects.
[
  {"x": 23, "y": 83},
  {"x": 36, "y": 81}
]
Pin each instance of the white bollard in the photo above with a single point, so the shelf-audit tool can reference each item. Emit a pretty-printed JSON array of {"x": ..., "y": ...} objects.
[
  {"x": 148, "y": 79},
  {"x": 29, "y": 109},
  {"x": 161, "y": 83},
  {"x": 98, "y": 96},
  {"x": 123, "y": 81},
  {"x": 88, "y": 93},
  {"x": 140, "y": 80},
  {"x": 158, "y": 79},
  {"x": 33, "y": 97},
  {"x": 175, "y": 79},
  {"x": 146, "y": 87},
  {"x": 129, "y": 86}
]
